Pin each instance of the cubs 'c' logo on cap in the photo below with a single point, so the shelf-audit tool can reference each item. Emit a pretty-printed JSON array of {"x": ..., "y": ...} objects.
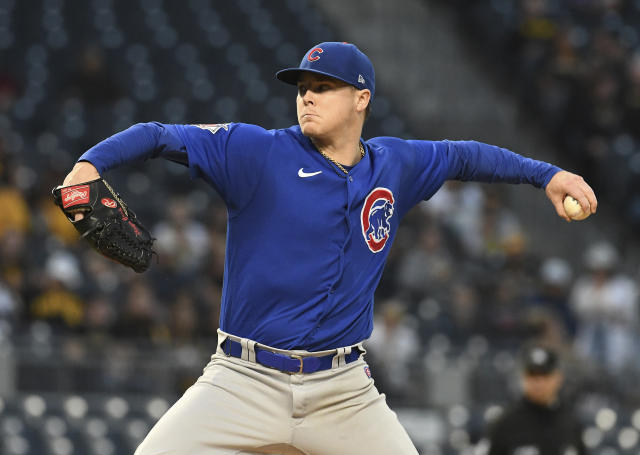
[
  {"x": 313, "y": 54},
  {"x": 376, "y": 213}
]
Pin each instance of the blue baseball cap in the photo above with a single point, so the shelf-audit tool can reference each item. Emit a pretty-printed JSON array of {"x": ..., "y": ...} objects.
[{"x": 342, "y": 61}]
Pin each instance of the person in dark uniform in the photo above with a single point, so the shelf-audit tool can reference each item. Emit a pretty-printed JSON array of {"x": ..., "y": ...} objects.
[{"x": 539, "y": 423}]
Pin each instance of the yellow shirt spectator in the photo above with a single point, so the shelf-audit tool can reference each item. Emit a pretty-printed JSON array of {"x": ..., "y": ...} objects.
[{"x": 14, "y": 212}]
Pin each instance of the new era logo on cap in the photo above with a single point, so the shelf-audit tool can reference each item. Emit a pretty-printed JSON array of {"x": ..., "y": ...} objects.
[{"x": 341, "y": 61}]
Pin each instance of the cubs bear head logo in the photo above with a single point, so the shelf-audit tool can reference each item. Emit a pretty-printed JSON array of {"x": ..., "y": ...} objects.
[{"x": 376, "y": 213}]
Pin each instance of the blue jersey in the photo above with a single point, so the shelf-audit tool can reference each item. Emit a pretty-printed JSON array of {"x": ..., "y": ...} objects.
[{"x": 307, "y": 244}]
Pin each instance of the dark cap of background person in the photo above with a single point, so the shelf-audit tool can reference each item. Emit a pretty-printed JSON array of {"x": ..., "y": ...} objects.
[{"x": 539, "y": 360}]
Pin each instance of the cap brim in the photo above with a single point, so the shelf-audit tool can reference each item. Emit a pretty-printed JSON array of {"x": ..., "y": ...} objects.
[{"x": 291, "y": 75}]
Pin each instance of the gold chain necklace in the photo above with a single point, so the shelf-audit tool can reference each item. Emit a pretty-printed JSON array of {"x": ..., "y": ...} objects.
[{"x": 338, "y": 165}]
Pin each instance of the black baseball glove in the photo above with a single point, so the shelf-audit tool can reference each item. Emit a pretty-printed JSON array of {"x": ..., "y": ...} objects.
[{"x": 108, "y": 225}]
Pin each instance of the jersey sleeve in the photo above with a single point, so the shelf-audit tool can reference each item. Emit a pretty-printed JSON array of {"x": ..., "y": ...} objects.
[
  {"x": 430, "y": 168},
  {"x": 137, "y": 143},
  {"x": 230, "y": 157},
  {"x": 434, "y": 162},
  {"x": 471, "y": 160}
]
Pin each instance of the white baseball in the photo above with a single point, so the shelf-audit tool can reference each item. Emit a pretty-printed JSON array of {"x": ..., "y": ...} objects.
[{"x": 574, "y": 209}]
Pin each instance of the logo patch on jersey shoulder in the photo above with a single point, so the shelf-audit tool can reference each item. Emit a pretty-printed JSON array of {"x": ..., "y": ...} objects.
[
  {"x": 376, "y": 213},
  {"x": 367, "y": 371},
  {"x": 213, "y": 127}
]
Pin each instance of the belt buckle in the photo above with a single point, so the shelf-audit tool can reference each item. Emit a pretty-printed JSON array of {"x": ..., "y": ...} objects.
[{"x": 300, "y": 358}]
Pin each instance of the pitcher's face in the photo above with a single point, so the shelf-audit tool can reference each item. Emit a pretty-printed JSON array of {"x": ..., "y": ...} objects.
[{"x": 325, "y": 105}]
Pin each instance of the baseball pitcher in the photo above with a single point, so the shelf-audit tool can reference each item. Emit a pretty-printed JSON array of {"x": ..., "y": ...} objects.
[{"x": 312, "y": 212}]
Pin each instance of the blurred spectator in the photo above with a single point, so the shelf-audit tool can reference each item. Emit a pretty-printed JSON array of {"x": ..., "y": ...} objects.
[
  {"x": 57, "y": 223},
  {"x": 103, "y": 276},
  {"x": 92, "y": 81},
  {"x": 499, "y": 226},
  {"x": 428, "y": 266},
  {"x": 99, "y": 318},
  {"x": 393, "y": 348},
  {"x": 631, "y": 97},
  {"x": 554, "y": 284},
  {"x": 8, "y": 91},
  {"x": 182, "y": 241},
  {"x": 140, "y": 316},
  {"x": 14, "y": 264},
  {"x": 540, "y": 422},
  {"x": 209, "y": 296},
  {"x": 605, "y": 304},
  {"x": 10, "y": 306},
  {"x": 508, "y": 323},
  {"x": 536, "y": 23},
  {"x": 57, "y": 303},
  {"x": 459, "y": 206},
  {"x": 544, "y": 326},
  {"x": 464, "y": 314},
  {"x": 14, "y": 211},
  {"x": 467, "y": 317},
  {"x": 183, "y": 319},
  {"x": 64, "y": 267},
  {"x": 517, "y": 262}
]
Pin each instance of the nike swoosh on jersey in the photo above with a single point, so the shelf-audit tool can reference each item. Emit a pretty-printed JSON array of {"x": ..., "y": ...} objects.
[{"x": 304, "y": 174}]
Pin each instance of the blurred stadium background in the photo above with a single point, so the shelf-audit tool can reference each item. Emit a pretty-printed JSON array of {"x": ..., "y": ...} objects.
[{"x": 92, "y": 354}]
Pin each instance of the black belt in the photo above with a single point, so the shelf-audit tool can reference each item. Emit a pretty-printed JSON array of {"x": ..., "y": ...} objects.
[{"x": 290, "y": 363}]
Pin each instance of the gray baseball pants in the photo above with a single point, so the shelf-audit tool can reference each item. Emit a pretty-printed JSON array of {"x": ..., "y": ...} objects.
[{"x": 240, "y": 407}]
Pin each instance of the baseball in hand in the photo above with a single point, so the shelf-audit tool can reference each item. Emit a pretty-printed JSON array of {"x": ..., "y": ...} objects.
[{"x": 574, "y": 210}]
